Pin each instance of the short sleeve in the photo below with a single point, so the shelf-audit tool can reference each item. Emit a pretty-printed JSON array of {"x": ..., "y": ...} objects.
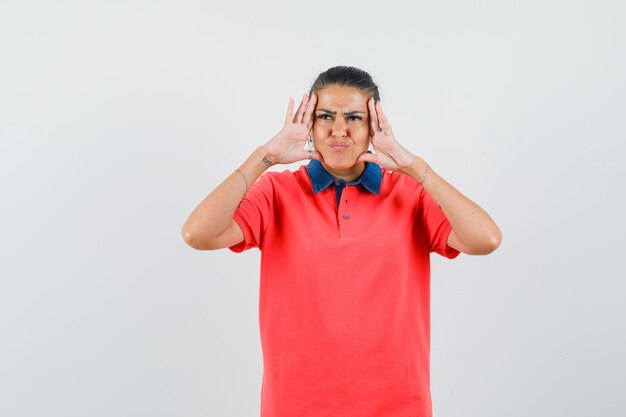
[
  {"x": 436, "y": 225},
  {"x": 254, "y": 213}
]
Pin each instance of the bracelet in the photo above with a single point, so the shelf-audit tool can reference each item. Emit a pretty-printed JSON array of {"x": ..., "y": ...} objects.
[
  {"x": 244, "y": 178},
  {"x": 424, "y": 175}
]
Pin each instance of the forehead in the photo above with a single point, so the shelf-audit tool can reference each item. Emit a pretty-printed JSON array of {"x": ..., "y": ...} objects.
[{"x": 341, "y": 98}]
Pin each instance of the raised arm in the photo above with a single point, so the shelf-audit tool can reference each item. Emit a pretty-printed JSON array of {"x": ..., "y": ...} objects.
[
  {"x": 211, "y": 225},
  {"x": 473, "y": 230}
]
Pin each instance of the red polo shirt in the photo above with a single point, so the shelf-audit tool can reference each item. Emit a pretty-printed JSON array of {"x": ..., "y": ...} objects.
[{"x": 344, "y": 302}]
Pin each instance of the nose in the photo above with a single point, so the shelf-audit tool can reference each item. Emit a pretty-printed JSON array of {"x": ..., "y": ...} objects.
[{"x": 339, "y": 127}]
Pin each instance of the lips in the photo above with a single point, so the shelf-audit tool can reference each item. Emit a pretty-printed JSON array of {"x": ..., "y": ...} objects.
[{"x": 339, "y": 146}]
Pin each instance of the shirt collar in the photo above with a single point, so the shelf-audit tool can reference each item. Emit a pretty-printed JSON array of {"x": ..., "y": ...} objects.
[{"x": 321, "y": 179}]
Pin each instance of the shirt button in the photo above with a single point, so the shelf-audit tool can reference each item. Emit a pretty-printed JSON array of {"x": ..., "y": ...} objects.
[
  {"x": 337, "y": 183},
  {"x": 346, "y": 216}
]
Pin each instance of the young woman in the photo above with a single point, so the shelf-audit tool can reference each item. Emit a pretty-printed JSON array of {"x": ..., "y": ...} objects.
[{"x": 345, "y": 253}]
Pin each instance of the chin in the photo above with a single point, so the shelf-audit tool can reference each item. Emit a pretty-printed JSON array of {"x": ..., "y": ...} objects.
[{"x": 340, "y": 165}]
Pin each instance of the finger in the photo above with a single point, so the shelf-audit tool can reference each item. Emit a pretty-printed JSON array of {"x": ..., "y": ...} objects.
[
  {"x": 383, "y": 121},
  {"x": 301, "y": 107},
  {"x": 373, "y": 117},
  {"x": 310, "y": 108},
  {"x": 367, "y": 157},
  {"x": 289, "y": 116}
]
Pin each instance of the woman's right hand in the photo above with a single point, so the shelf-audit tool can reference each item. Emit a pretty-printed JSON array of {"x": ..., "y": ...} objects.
[{"x": 287, "y": 146}]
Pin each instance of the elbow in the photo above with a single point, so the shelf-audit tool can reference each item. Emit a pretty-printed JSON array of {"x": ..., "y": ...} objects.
[
  {"x": 199, "y": 243},
  {"x": 187, "y": 237},
  {"x": 190, "y": 239},
  {"x": 486, "y": 245},
  {"x": 493, "y": 242}
]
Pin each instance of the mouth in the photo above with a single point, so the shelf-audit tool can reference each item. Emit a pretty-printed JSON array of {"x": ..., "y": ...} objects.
[{"x": 339, "y": 146}]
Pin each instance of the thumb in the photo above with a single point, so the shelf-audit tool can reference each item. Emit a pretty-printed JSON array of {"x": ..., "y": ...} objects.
[{"x": 367, "y": 157}]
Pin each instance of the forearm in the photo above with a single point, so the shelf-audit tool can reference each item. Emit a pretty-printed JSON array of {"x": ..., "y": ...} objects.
[
  {"x": 472, "y": 225},
  {"x": 215, "y": 212}
]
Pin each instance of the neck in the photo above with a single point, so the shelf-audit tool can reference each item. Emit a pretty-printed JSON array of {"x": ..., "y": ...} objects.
[{"x": 347, "y": 175}]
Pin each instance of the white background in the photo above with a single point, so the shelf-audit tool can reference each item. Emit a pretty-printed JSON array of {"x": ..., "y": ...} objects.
[{"x": 118, "y": 117}]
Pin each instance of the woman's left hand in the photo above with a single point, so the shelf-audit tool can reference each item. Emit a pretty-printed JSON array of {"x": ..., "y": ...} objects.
[{"x": 389, "y": 153}]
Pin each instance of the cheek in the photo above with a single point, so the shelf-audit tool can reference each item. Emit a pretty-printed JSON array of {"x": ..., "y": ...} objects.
[{"x": 361, "y": 132}]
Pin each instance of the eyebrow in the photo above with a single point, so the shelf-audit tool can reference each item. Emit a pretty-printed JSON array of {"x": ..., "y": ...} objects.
[{"x": 349, "y": 113}]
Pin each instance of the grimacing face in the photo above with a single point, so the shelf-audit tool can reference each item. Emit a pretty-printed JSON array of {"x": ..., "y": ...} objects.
[{"x": 341, "y": 129}]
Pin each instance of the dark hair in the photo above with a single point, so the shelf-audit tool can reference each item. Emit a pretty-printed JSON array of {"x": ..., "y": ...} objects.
[{"x": 346, "y": 77}]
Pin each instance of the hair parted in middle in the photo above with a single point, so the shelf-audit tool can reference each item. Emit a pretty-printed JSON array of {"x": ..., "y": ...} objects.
[{"x": 346, "y": 77}]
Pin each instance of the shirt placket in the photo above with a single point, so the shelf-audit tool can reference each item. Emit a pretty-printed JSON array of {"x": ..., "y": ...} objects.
[{"x": 345, "y": 213}]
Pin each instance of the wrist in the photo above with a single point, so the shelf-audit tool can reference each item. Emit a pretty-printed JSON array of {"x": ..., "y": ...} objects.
[
  {"x": 416, "y": 169},
  {"x": 404, "y": 159},
  {"x": 266, "y": 158}
]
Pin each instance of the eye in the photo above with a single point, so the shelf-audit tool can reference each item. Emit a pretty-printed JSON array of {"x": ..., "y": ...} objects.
[
  {"x": 323, "y": 116},
  {"x": 355, "y": 118}
]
